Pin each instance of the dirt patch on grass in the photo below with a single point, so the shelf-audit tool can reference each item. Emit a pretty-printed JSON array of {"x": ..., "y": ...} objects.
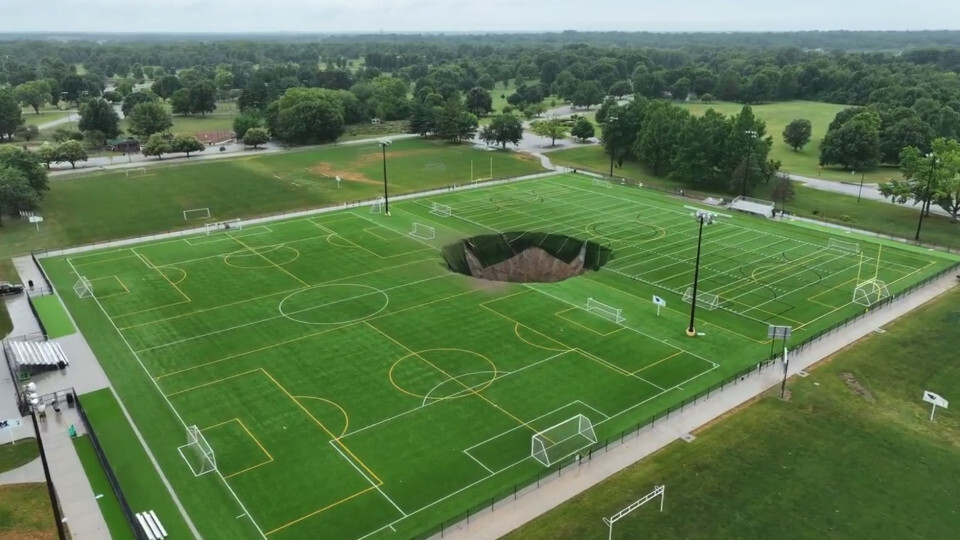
[
  {"x": 853, "y": 384},
  {"x": 326, "y": 169}
]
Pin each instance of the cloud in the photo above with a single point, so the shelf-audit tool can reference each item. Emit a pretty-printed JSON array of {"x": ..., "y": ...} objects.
[{"x": 325, "y": 16}]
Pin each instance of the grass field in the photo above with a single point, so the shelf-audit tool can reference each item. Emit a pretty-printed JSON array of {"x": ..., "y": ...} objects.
[
  {"x": 25, "y": 513},
  {"x": 54, "y": 317},
  {"x": 840, "y": 460},
  {"x": 110, "y": 205},
  {"x": 107, "y": 501},
  {"x": 338, "y": 369},
  {"x": 20, "y": 453},
  {"x": 877, "y": 216}
]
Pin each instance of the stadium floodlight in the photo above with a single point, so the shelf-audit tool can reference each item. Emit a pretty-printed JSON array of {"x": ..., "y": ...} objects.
[
  {"x": 703, "y": 217},
  {"x": 609, "y": 126},
  {"x": 384, "y": 143},
  {"x": 746, "y": 163}
]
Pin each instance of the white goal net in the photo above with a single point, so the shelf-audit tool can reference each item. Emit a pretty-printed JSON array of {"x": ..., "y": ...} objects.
[
  {"x": 441, "y": 210},
  {"x": 705, "y": 300},
  {"x": 436, "y": 167},
  {"x": 562, "y": 440},
  {"x": 870, "y": 292},
  {"x": 196, "y": 213},
  {"x": 840, "y": 245},
  {"x": 605, "y": 311},
  {"x": 423, "y": 232},
  {"x": 141, "y": 171},
  {"x": 377, "y": 206},
  {"x": 83, "y": 288},
  {"x": 229, "y": 225},
  {"x": 197, "y": 452},
  {"x": 602, "y": 183}
]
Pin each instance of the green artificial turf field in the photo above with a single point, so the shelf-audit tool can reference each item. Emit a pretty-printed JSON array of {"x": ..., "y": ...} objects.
[
  {"x": 54, "y": 317},
  {"x": 351, "y": 386}
]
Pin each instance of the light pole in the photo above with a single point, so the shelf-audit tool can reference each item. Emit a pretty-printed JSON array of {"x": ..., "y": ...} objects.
[
  {"x": 859, "y": 193},
  {"x": 746, "y": 164},
  {"x": 386, "y": 201},
  {"x": 926, "y": 193},
  {"x": 610, "y": 120},
  {"x": 704, "y": 218}
]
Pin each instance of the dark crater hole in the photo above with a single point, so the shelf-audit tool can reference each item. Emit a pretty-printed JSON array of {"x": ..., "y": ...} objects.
[{"x": 525, "y": 257}]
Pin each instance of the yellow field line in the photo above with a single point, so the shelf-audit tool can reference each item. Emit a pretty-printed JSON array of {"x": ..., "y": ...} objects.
[
  {"x": 211, "y": 382},
  {"x": 255, "y": 440},
  {"x": 264, "y": 257},
  {"x": 560, "y": 315},
  {"x": 678, "y": 353},
  {"x": 333, "y": 437},
  {"x": 164, "y": 276},
  {"x": 324, "y": 509}
]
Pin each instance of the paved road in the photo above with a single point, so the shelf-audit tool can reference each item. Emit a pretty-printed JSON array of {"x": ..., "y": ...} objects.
[{"x": 870, "y": 191}]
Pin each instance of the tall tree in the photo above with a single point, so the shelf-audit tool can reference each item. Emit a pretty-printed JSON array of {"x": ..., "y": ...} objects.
[
  {"x": 582, "y": 129},
  {"x": 478, "y": 101},
  {"x": 71, "y": 152},
  {"x": 186, "y": 144},
  {"x": 503, "y": 129},
  {"x": 454, "y": 123},
  {"x": 797, "y": 133},
  {"x": 180, "y": 102},
  {"x": 657, "y": 143},
  {"x": 783, "y": 191},
  {"x": 549, "y": 71},
  {"x": 165, "y": 86},
  {"x": 855, "y": 144},
  {"x": 149, "y": 118},
  {"x": 157, "y": 144},
  {"x": 246, "y": 121},
  {"x": 551, "y": 128},
  {"x": 255, "y": 136},
  {"x": 15, "y": 193},
  {"x": 10, "y": 114},
  {"x": 136, "y": 98},
  {"x": 588, "y": 93},
  {"x": 933, "y": 179},
  {"x": 99, "y": 115},
  {"x": 203, "y": 98},
  {"x": 34, "y": 94}
]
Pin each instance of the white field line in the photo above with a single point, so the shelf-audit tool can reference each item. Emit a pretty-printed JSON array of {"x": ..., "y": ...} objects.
[
  {"x": 146, "y": 448},
  {"x": 284, "y": 315},
  {"x": 817, "y": 264},
  {"x": 373, "y": 484},
  {"x": 544, "y": 415},
  {"x": 489, "y": 470},
  {"x": 837, "y": 273}
]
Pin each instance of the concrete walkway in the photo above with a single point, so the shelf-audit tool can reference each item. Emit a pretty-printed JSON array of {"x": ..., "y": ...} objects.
[
  {"x": 30, "y": 473},
  {"x": 78, "y": 502},
  {"x": 507, "y": 517}
]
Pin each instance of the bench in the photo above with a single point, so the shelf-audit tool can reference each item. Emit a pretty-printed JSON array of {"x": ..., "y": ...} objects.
[{"x": 151, "y": 525}]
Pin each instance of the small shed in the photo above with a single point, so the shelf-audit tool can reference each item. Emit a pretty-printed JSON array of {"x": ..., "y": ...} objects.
[{"x": 127, "y": 146}]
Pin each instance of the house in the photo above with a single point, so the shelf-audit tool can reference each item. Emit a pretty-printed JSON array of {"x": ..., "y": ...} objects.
[{"x": 127, "y": 146}]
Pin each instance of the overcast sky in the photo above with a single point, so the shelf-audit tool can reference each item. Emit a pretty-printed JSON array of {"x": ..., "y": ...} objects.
[{"x": 476, "y": 15}]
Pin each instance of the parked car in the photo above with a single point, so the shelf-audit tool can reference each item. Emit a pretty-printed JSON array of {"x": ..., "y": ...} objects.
[{"x": 9, "y": 289}]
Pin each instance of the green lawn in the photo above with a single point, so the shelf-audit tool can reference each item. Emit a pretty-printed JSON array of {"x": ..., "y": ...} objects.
[
  {"x": 20, "y": 453},
  {"x": 110, "y": 205},
  {"x": 869, "y": 215},
  {"x": 138, "y": 479},
  {"x": 829, "y": 463},
  {"x": 47, "y": 114},
  {"x": 108, "y": 502},
  {"x": 337, "y": 368},
  {"x": 54, "y": 317},
  {"x": 25, "y": 513}
]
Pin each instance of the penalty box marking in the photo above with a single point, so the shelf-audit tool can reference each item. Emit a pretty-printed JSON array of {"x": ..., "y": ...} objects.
[
  {"x": 255, "y": 440},
  {"x": 604, "y": 334},
  {"x": 125, "y": 289}
]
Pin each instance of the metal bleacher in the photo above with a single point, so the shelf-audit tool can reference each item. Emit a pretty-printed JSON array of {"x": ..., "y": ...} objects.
[
  {"x": 37, "y": 356},
  {"x": 759, "y": 207}
]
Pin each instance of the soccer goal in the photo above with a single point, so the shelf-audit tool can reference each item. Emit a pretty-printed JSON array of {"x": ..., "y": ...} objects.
[
  {"x": 840, "y": 245},
  {"x": 435, "y": 167},
  {"x": 602, "y": 183},
  {"x": 562, "y": 440},
  {"x": 197, "y": 452},
  {"x": 705, "y": 300},
  {"x": 870, "y": 292},
  {"x": 605, "y": 311},
  {"x": 377, "y": 206},
  {"x": 423, "y": 232},
  {"x": 196, "y": 213},
  {"x": 441, "y": 210},
  {"x": 229, "y": 225},
  {"x": 83, "y": 288},
  {"x": 140, "y": 171}
]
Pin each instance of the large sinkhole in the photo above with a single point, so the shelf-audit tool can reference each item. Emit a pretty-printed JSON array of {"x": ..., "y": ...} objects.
[{"x": 525, "y": 257}]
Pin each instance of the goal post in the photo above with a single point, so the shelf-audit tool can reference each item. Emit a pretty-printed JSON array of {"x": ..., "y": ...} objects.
[
  {"x": 658, "y": 491},
  {"x": 442, "y": 210},
  {"x": 602, "y": 183},
  {"x": 435, "y": 167},
  {"x": 139, "y": 171},
  {"x": 705, "y": 300},
  {"x": 840, "y": 245},
  {"x": 83, "y": 288},
  {"x": 870, "y": 292},
  {"x": 229, "y": 225},
  {"x": 377, "y": 206},
  {"x": 423, "y": 232},
  {"x": 605, "y": 311},
  {"x": 196, "y": 213},
  {"x": 197, "y": 452},
  {"x": 562, "y": 440}
]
